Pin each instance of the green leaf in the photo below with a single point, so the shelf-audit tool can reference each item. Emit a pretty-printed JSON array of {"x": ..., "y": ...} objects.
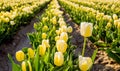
[
  {"x": 94, "y": 55},
  {"x": 36, "y": 60},
  {"x": 15, "y": 67}
]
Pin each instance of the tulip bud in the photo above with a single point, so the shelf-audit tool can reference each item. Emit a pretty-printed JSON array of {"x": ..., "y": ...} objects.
[
  {"x": 69, "y": 29},
  {"x": 61, "y": 45},
  {"x": 57, "y": 32},
  {"x": 64, "y": 28},
  {"x": 30, "y": 52},
  {"x": 23, "y": 66},
  {"x": 54, "y": 20},
  {"x": 86, "y": 29},
  {"x": 108, "y": 25},
  {"x": 64, "y": 36},
  {"x": 115, "y": 17},
  {"x": 57, "y": 38},
  {"x": 42, "y": 50},
  {"x": 45, "y": 28},
  {"x": 44, "y": 35},
  {"x": 12, "y": 22},
  {"x": 46, "y": 43},
  {"x": 85, "y": 63},
  {"x": 58, "y": 59},
  {"x": 20, "y": 55}
]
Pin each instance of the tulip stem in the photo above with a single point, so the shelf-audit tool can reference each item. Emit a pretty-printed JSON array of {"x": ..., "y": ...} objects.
[{"x": 83, "y": 50}]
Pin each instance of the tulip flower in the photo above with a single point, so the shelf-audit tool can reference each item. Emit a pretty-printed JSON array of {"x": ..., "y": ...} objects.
[
  {"x": 31, "y": 52},
  {"x": 63, "y": 28},
  {"x": 58, "y": 59},
  {"x": 42, "y": 50},
  {"x": 23, "y": 65},
  {"x": 86, "y": 29},
  {"x": 109, "y": 25},
  {"x": 69, "y": 29},
  {"x": 44, "y": 35},
  {"x": 115, "y": 17},
  {"x": 57, "y": 38},
  {"x": 64, "y": 36},
  {"x": 45, "y": 28},
  {"x": 61, "y": 45},
  {"x": 85, "y": 63},
  {"x": 20, "y": 56},
  {"x": 54, "y": 20},
  {"x": 46, "y": 43},
  {"x": 57, "y": 32}
]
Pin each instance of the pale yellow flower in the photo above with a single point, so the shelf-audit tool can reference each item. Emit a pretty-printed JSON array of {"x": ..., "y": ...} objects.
[
  {"x": 45, "y": 28},
  {"x": 109, "y": 25},
  {"x": 64, "y": 36},
  {"x": 58, "y": 59},
  {"x": 85, "y": 63},
  {"x": 69, "y": 29},
  {"x": 61, "y": 45},
  {"x": 86, "y": 29},
  {"x": 23, "y": 65},
  {"x": 57, "y": 32},
  {"x": 42, "y": 50},
  {"x": 115, "y": 17},
  {"x": 44, "y": 35},
  {"x": 31, "y": 52},
  {"x": 46, "y": 43},
  {"x": 20, "y": 56},
  {"x": 57, "y": 38},
  {"x": 54, "y": 20}
]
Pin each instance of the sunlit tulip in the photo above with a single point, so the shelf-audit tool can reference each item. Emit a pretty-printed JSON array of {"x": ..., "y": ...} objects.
[
  {"x": 54, "y": 20},
  {"x": 46, "y": 43},
  {"x": 109, "y": 24},
  {"x": 45, "y": 28},
  {"x": 69, "y": 29},
  {"x": 86, "y": 29},
  {"x": 23, "y": 65},
  {"x": 85, "y": 63},
  {"x": 57, "y": 32},
  {"x": 44, "y": 35},
  {"x": 20, "y": 55},
  {"x": 57, "y": 38},
  {"x": 61, "y": 45},
  {"x": 64, "y": 28},
  {"x": 115, "y": 17},
  {"x": 12, "y": 22},
  {"x": 42, "y": 50},
  {"x": 116, "y": 22},
  {"x": 64, "y": 36},
  {"x": 31, "y": 52},
  {"x": 58, "y": 59}
]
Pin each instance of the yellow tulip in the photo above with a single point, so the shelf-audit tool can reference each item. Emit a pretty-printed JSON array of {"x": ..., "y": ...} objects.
[
  {"x": 42, "y": 50},
  {"x": 58, "y": 59},
  {"x": 85, "y": 63},
  {"x": 109, "y": 24},
  {"x": 12, "y": 22},
  {"x": 31, "y": 52},
  {"x": 115, "y": 17},
  {"x": 20, "y": 55},
  {"x": 46, "y": 43},
  {"x": 45, "y": 28},
  {"x": 64, "y": 36},
  {"x": 57, "y": 38},
  {"x": 63, "y": 29},
  {"x": 44, "y": 35},
  {"x": 69, "y": 29},
  {"x": 54, "y": 20},
  {"x": 61, "y": 45},
  {"x": 23, "y": 66},
  {"x": 57, "y": 32},
  {"x": 116, "y": 22},
  {"x": 86, "y": 29},
  {"x": 29, "y": 64}
]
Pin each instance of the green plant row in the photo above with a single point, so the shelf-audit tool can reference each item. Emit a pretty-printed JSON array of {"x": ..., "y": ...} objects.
[
  {"x": 109, "y": 8},
  {"x": 52, "y": 49},
  {"x": 106, "y": 31},
  {"x": 11, "y": 21}
]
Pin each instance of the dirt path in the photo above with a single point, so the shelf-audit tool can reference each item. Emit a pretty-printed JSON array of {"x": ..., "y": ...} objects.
[{"x": 18, "y": 41}]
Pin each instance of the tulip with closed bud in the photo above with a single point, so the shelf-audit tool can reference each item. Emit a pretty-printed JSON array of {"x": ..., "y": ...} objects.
[{"x": 20, "y": 56}]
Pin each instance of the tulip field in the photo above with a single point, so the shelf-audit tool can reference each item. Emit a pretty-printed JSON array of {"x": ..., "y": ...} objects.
[{"x": 59, "y": 35}]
